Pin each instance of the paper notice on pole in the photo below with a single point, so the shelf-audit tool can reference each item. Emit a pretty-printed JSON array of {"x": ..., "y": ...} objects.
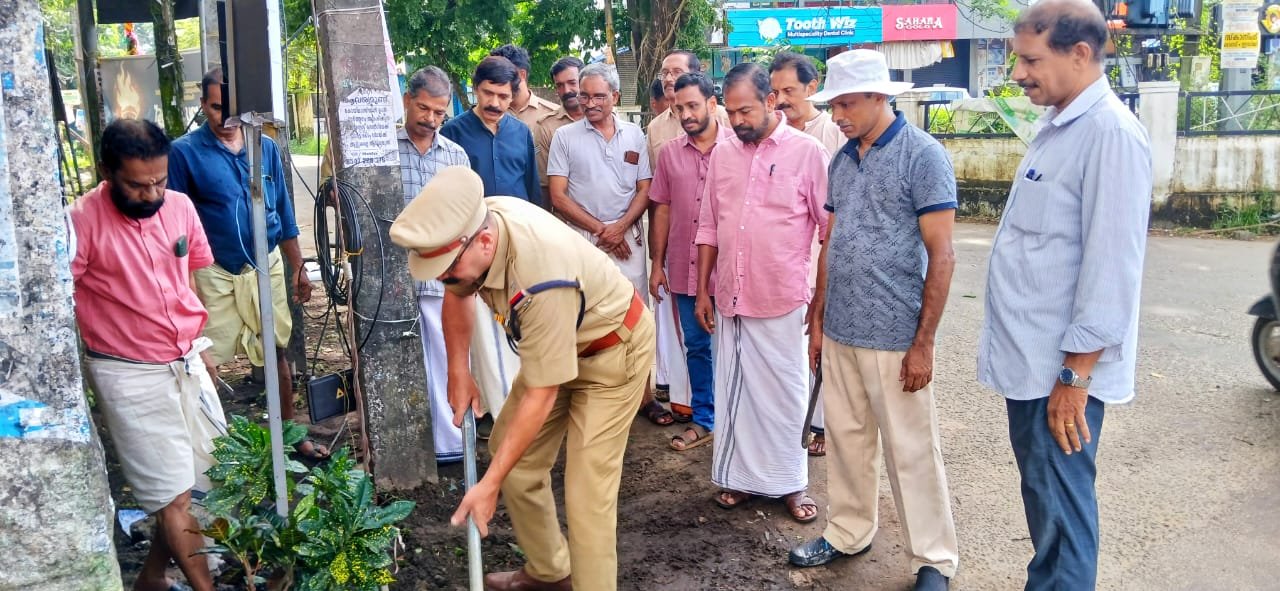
[
  {"x": 1241, "y": 37},
  {"x": 10, "y": 289},
  {"x": 368, "y": 131}
]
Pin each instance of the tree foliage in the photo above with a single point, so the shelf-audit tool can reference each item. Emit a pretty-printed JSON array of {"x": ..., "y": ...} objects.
[
  {"x": 658, "y": 26},
  {"x": 444, "y": 33},
  {"x": 552, "y": 29}
]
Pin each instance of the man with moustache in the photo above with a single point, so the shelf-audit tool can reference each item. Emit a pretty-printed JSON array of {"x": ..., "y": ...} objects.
[
  {"x": 1060, "y": 337},
  {"x": 499, "y": 146},
  {"x": 526, "y": 106},
  {"x": 564, "y": 74},
  {"x": 586, "y": 345},
  {"x": 599, "y": 175},
  {"x": 666, "y": 125},
  {"x": 136, "y": 246},
  {"x": 883, "y": 278},
  {"x": 678, "y": 186},
  {"x": 423, "y": 154},
  {"x": 210, "y": 165},
  {"x": 765, "y": 188},
  {"x": 794, "y": 77}
]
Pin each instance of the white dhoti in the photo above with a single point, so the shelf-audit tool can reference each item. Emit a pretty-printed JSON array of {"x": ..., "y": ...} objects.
[
  {"x": 492, "y": 365},
  {"x": 671, "y": 353},
  {"x": 761, "y": 396},
  {"x": 636, "y": 268},
  {"x": 162, "y": 418},
  {"x": 447, "y": 438}
]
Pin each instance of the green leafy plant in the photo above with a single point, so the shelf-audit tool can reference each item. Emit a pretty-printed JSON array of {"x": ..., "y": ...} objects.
[{"x": 335, "y": 536}]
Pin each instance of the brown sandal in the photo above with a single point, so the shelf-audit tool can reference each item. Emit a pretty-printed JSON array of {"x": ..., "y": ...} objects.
[
  {"x": 701, "y": 437},
  {"x": 796, "y": 502},
  {"x": 656, "y": 414},
  {"x": 732, "y": 499}
]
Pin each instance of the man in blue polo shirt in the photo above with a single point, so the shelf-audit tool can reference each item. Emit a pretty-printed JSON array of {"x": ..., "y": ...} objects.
[
  {"x": 883, "y": 278},
  {"x": 210, "y": 166},
  {"x": 499, "y": 146}
]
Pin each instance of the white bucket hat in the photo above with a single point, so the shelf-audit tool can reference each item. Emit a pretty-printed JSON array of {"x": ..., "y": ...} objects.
[{"x": 859, "y": 70}]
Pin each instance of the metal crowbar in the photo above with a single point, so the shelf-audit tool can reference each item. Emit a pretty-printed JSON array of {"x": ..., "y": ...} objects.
[{"x": 475, "y": 568}]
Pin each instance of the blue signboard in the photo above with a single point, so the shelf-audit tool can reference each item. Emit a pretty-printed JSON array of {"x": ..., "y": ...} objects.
[{"x": 835, "y": 25}]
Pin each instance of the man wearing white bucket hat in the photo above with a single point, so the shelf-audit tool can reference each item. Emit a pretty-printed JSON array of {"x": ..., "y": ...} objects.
[{"x": 883, "y": 278}]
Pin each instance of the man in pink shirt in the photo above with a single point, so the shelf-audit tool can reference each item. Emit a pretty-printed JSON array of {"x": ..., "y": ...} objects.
[
  {"x": 136, "y": 247},
  {"x": 679, "y": 183},
  {"x": 765, "y": 191}
]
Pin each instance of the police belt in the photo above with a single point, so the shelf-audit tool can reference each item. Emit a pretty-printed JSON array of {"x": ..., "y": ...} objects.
[{"x": 628, "y": 324}]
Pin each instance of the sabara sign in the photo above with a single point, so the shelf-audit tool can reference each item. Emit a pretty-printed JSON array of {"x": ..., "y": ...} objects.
[
  {"x": 804, "y": 26},
  {"x": 919, "y": 22}
]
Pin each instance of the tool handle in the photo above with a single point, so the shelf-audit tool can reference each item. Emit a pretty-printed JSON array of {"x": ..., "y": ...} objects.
[{"x": 475, "y": 568}]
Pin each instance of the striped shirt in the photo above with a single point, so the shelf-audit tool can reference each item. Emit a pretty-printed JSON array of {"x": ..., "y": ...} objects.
[
  {"x": 417, "y": 169},
  {"x": 1065, "y": 273}
]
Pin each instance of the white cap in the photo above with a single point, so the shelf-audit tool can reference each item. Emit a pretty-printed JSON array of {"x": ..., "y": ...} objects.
[{"x": 859, "y": 70}]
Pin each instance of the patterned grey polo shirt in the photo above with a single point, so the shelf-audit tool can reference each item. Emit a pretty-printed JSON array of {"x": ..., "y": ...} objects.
[{"x": 876, "y": 258}]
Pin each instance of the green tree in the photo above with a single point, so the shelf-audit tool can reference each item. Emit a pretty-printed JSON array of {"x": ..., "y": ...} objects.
[
  {"x": 446, "y": 33},
  {"x": 658, "y": 26},
  {"x": 552, "y": 29}
]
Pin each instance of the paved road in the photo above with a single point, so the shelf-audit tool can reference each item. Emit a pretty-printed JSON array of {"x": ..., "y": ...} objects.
[{"x": 1189, "y": 473}]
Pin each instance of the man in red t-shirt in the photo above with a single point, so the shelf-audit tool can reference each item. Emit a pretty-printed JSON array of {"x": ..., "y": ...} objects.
[{"x": 136, "y": 247}]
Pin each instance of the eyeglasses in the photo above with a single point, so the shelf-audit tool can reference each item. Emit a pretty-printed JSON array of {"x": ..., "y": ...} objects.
[
  {"x": 594, "y": 98},
  {"x": 451, "y": 280}
]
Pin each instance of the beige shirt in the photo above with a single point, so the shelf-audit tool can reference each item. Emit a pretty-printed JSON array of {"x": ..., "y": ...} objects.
[
  {"x": 534, "y": 247},
  {"x": 666, "y": 127},
  {"x": 827, "y": 132},
  {"x": 543, "y": 131},
  {"x": 534, "y": 110}
]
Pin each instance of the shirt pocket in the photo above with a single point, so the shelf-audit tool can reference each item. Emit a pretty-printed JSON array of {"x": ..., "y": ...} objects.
[
  {"x": 1026, "y": 209},
  {"x": 782, "y": 192}
]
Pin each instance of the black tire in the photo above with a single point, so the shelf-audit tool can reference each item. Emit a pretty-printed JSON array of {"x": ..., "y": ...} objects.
[{"x": 1270, "y": 367}]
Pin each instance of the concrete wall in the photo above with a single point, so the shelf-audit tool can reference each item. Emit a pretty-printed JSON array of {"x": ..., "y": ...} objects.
[{"x": 1206, "y": 172}]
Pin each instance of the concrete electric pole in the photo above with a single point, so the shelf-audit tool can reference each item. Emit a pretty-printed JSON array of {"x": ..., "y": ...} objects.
[
  {"x": 56, "y": 514},
  {"x": 366, "y": 158}
]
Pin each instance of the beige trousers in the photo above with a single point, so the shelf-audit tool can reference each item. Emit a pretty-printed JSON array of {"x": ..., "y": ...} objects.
[
  {"x": 865, "y": 405},
  {"x": 595, "y": 411}
]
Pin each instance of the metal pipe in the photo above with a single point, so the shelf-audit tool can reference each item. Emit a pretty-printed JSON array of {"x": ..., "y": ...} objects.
[
  {"x": 253, "y": 150},
  {"x": 475, "y": 568}
]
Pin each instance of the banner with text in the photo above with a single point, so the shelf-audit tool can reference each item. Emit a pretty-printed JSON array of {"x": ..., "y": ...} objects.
[
  {"x": 1241, "y": 37},
  {"x": 837, "y": 25},
  {"x": 919, "y": 22}
]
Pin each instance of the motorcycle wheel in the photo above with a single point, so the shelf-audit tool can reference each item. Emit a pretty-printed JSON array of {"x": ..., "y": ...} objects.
[{"x": 1266, "y": 349}]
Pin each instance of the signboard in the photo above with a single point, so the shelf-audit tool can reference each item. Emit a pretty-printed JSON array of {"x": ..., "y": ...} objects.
[
  {"x": 131, "y": 86},
  {"x": 1241, "y": 36},
  {"x": 836, "y": 25},
  {"x": 1271, "y": 18},
  {"x": 919, "y": 22}
]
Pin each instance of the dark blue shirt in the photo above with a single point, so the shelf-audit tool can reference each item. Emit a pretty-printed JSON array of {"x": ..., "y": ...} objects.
[
  {"x": 218, "y": 183},
  {"x": 505, "y": 162}
]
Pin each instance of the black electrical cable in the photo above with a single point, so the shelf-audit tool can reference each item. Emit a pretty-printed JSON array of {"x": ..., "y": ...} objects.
[
  {"x": 345, "y": 191},
  {"x": 330, "y": 273}
]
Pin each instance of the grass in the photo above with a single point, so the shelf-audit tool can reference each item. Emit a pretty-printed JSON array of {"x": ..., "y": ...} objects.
[
  {"x": 310, "y": 146},
  {"x": 1251, "y": 213}
]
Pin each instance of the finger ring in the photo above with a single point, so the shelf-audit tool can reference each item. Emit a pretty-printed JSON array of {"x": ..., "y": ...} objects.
[{"x": 1070, "y": 424}]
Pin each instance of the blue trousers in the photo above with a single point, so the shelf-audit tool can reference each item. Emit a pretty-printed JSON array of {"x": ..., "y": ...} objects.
[
  {"x": 702, "y": 377},
  {"x": 1058, "y": 497}
]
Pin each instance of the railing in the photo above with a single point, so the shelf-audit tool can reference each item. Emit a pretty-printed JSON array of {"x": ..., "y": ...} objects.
[
  {"x": 1234, "y": 112},
  {"x": 641, "y": 118},
  {"x": 1130, "y": 99}
]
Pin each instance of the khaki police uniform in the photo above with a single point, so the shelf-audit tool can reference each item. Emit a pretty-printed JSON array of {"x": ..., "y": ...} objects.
[
  {"x": 595, "y": 341},
  {"x": 543, "y": 131}
]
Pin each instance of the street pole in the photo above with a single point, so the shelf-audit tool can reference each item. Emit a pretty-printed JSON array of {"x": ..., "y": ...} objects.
[
  {"x": 56, "y": 514},
  {"x": 90, "y": 92},
  {"x": 169, "y": 68},
  {"x": 251, "y": 125},
  {"x": 391, "y": 375}
]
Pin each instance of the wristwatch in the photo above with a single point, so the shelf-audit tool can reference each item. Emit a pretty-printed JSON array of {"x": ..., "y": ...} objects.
[{"x": 1069, "y": 377}]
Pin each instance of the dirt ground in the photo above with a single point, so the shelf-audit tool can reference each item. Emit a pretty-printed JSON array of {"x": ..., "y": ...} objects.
[{"x": 671, "y": 536}]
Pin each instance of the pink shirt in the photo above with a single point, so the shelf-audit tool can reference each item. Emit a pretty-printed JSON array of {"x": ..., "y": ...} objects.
[
  {"x": 762, "y": 206},
  {"x": 133, "y": 292},
  {"x": 680, "y": 181}
]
